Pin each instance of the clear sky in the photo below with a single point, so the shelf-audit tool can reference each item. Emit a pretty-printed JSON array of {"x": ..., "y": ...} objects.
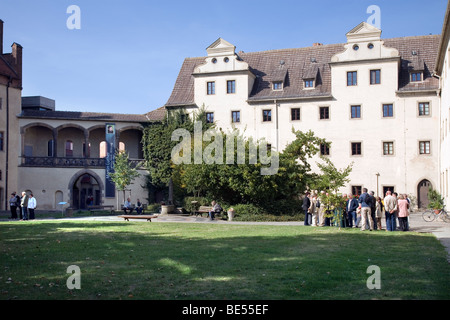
[{"x": 127, "y": 54}]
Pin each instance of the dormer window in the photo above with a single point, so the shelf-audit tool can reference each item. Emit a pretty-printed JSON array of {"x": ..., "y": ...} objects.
[
  {"x": 417, "y": 67},
  {"x": 416, "y": 76},
  {"x": 278, "y": 85},
  {"x": 309, "y": 84}
]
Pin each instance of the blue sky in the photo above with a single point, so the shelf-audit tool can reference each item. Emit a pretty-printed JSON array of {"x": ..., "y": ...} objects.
[{"x": 127, "y": 54}]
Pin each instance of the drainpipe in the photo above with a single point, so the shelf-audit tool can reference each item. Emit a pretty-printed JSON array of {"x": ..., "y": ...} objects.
[
  {"x": 277, "y": 105},
  {"x": 7, "y": 142}
]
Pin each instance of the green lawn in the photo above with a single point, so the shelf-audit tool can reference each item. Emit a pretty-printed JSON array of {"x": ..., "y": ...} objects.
[{"x": 141, "y": 260}]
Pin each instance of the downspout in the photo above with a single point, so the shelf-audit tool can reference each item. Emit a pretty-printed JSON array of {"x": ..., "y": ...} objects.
[
  {"x": 276, "y": 125},
  {"x": 7, "y": 142}
]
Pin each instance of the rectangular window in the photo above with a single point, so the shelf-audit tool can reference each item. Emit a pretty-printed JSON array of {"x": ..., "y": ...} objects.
[
  {"x": 235, "y": 116},
  {"x": 352, "y": 78},
  {"x": 424, "y": 147},
  {"x": 388, "y": 110},
  {"x": 388, "y": 148},
  {"x": 2, "y": 140},
  {"x": 1, "y": 103},
  {"x": 416, "y": 76},
  {"x": 278, "y": 85},
  {"x": 324, "y": 149},
  {"x": 211, "y": 88},
  {"x": 375, "y": 76},
  {"x": 356, "y": 112},
  {"x": 324, "y": 113},
  {"x": 267, "y": 115},
  {"x": 295, "y": 114},
  {"x": 231, "y": 86},
  {"x": 356, "y": 190},
  {"x": 356, "y": 149},
  {"x": 424, "y": 109},
  {"x": 209, "y": 117},
  {"x": 309, "y": 83}
]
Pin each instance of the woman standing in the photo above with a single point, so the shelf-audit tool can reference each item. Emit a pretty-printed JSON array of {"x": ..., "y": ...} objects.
[
  {"x": 31, "y": 206},
  {"x": 403, "y": 212},
  {"x": 379, "y": 209}
]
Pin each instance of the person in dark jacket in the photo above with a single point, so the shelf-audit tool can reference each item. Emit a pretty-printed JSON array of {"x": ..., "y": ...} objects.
[
  {"x": 305, "y": 207},
  {"x": 351, "y": 206}
]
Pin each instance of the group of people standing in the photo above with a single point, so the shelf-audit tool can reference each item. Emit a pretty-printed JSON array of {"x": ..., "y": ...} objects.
[
  {"x": 23, "y": 205},
  {"x": 366, "y": 210}
]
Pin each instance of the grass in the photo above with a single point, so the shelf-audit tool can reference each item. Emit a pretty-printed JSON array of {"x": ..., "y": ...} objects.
[{"x": 161, "y": 261}]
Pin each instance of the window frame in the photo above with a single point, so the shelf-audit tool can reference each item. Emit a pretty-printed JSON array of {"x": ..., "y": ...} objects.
[
  {"x": 377, "y": 76},
  {"x": 324, "y": 149},
  {"x": 208, "y": 117},
  {"x": 383, "y": 110},
  {"x": 296, "y": 113},
  {"x": 354, "y": 78},
  {"x": 390, "y": 150},
  {"x": 210, "y": 88},
  {"x": 232, "y": 89},
  {"x": 413, "y": 76},
  {"x": 238, "y": 112},
  {"x": 267, "y": 117},
  {"x": 309, "y": 84},
  {"x": 328, "y": 112},
  {"x": 358, "y": 109},
  {"x": 275, "y": 84},
  {"x": 425, "y": 114},
  {"x": 360, "y": 149},
  {"x": 425, "y": 143}
]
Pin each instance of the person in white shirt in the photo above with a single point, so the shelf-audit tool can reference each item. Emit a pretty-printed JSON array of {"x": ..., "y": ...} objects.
[{"x": 31, "y": 206}]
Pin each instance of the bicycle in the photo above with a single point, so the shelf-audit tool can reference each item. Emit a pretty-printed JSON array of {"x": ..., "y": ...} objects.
[{"x": 431, "y": 215}]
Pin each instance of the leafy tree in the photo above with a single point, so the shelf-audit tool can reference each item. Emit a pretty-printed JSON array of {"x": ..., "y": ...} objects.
[
  {"x": 332, "y": 178},
  {"x": 123, "y": 173}
]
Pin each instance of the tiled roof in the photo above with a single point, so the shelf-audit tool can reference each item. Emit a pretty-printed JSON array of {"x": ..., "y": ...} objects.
[
  {"x": 300, "y": 63},
  {"x": 156, "y": 115},
  {"x": 86, "y": 116}
]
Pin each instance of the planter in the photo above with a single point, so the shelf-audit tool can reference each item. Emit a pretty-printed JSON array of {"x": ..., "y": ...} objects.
[
  {"x": 230, "y": 214},
  {"x": 166, "y": 209},
  {"x": 436, "y": 211}
]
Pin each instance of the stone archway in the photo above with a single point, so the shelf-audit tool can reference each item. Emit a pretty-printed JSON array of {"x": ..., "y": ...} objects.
[
  {"x": 86, "y": 188},
  {"x": 422, "y": 193}
]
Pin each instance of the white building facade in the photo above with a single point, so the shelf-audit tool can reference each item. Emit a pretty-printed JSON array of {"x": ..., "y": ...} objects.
[
  {"x": 376, "y": 100},
  {"x": 443, "y": 71}
]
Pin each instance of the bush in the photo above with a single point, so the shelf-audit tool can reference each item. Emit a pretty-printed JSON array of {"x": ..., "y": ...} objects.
[{"x": 191, "y": 207}]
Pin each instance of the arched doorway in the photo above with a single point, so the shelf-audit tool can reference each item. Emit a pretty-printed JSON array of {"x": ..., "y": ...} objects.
[
  {"x": 422, "y": 193},
  {"x": 86, "y": 189}
]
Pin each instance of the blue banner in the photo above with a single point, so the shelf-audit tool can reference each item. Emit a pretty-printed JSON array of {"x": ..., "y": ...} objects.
[{"x": 110, "y": 190}]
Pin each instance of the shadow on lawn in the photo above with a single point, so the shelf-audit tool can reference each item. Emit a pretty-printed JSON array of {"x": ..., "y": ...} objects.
[{"x": 146, "y": 261}]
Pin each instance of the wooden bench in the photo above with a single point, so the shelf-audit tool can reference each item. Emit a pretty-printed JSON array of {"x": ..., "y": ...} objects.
[
  {"x": 203, "y": 209},
  {"x": 146, "y": 217},
  {"x": 100, "y": 208}
]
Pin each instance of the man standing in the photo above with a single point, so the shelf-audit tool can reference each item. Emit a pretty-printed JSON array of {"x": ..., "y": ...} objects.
[
  {"x": 372, "y": 208},
  {"x": 305, "y": 206},
  {"x": 24, "y": 205},
  {"x": 390, "y": 208},
  {"x": 13, "y": 206},
  {"x": 352, "y": 205},
  {"x": 365, "y": 203}
]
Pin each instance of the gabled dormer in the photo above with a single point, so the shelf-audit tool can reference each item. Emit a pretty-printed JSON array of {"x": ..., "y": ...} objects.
[
  {"x": 416, "y": 67},
  {"x": 278, "y": 75},
  {"x": 364, "y": 43},
  {"x": 221, "y": 58}
]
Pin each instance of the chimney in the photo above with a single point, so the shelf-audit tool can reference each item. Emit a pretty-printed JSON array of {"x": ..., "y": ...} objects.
[
  {"x": 1, "y": 36},
  {"x": 17, "y": 56},
  {"x": 317, "y": 44}
]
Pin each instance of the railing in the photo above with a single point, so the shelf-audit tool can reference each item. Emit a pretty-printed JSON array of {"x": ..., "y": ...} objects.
[{"x": 72, "y": 162}]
